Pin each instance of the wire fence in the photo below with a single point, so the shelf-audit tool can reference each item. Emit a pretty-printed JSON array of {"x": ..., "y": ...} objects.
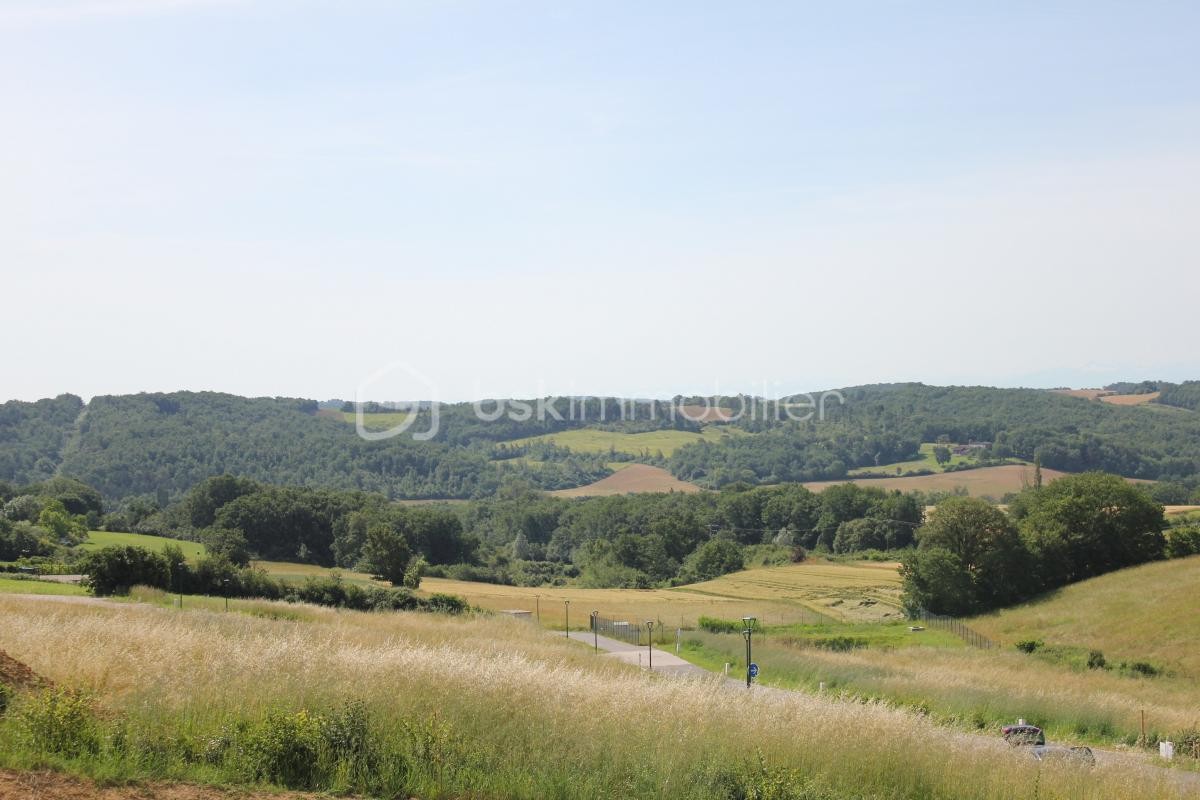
[{"x": 968, "y": 635}]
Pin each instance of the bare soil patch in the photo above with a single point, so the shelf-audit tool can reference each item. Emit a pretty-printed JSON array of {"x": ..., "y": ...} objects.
[
  {"x": 54, "y": 786},
  {"x": 14, "y": 673}
]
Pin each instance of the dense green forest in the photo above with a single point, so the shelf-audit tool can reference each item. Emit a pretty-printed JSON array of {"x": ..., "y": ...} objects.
[
  {"x": 154, "y": 447},
  {"x": 882, "y": 423},
  {"x": 969, "y": 556},
  {"x": 520, "y": 535},
  {"x": 1181, "y": 395},
  {"x": 33, "y": 436}
]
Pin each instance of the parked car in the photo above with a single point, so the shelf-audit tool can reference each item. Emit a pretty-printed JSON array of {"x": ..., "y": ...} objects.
[
  {"x": 1017, "y": 735},
  {"x": 1033, "y": 738}
]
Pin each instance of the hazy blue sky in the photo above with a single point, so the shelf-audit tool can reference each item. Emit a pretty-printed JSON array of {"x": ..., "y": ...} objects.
[{"x": 632, "y": 198}]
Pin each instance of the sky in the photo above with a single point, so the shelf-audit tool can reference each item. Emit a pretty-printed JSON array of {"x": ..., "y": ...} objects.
[{"x": 453, "y": 200}]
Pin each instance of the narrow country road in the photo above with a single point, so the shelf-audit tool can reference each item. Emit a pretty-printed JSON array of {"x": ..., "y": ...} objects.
[{"x": 667, "y": 663}]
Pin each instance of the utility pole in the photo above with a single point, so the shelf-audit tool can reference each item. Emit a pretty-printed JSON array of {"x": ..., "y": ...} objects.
[{"x": 747, "y": 633}]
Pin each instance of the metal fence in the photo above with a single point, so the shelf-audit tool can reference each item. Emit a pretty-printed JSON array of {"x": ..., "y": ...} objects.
[
  {"x": 968, "y": 635},
  {"x": 625, "y": 630}
]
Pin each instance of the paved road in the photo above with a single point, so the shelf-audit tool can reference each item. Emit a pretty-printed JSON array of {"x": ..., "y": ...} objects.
[{"x": 660, "y": 660}]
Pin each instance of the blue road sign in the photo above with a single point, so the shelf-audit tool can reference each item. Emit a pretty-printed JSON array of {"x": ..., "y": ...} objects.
[{"x": 754, "y": 670}]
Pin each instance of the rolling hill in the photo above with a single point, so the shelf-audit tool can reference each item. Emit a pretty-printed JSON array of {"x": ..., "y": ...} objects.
[
  {"x": 1145, "y": 613},
  {"x": 161, "y": 444}
]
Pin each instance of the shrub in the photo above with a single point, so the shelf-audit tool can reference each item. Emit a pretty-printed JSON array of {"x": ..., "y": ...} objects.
[
  {"x": 1030, "y": 645},
  {"x": 114, "y": 569},
  {"x": 756, "y": 780},
  {"x": 6, "y": 694},
  {"x": 1183, "y": 541},
  {"x": 1096, "y": 660},
  {"x": 59, "y": 721},
  {"x": 1142, "y": 668},
  {"x": 284, "y": 749},
  {"x": 1187, "y": 743},
  {"x": 716, "y": 625}
]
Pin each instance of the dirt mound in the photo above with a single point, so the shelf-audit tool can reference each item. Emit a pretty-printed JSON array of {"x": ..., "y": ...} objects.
[
  {"x": 14, "y": 673},
  {"x": 52, "y": 786}
]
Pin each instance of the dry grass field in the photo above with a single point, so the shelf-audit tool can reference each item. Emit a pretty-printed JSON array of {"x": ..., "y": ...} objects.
[
  {"x": 861, "y": 592},
  {"x": 699, "y": 413},
  {"x": 673, "y": 607},
  {"x": 1149, "y": 613},
  {"x": 593, "y": 440},
  {"x": 629, "y": 479},
  {"x": 1085, "y": 394},
  {"x": 473, "y": 707},
  {"x": 1130, "y": 399},
  {"x": 1106, "y": 396},
  {"x": 992, "y": 482}
]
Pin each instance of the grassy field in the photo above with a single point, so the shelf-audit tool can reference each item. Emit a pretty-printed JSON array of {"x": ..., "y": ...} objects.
[
  {"x": 289, "y": 571},
  {"x": 376, "y": 422},
  {"x": 98, "y": 539},
  {"x": 631, "y": 478},
  {"x": 674, "y": 607},
  {"x": 925, "y": 461},
  {"x": 409, "y": 705},
  {"x": 964, "y": 687},
  {"x": 857, "y": 591},
  {"x": 24, "y": 586},
  {"x": 1148, "y": 613},
  {"x": 591, "y": 440},
  {"x": 994, "y": 482}
]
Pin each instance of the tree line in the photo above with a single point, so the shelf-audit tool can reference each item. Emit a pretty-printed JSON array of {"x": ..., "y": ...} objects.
[
  {"x": 150, "y": 449},
  {"x": 972, "y": 556}
]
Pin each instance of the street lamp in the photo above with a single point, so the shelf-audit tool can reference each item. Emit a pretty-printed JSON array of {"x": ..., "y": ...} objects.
[
  {"x": 568, "y": 615},
  {"x": 596, "y": 629},
  {"x": 747, "y": 633},
  {"x": 650, "y": 642},
  {"x": 225, "y": 585}
]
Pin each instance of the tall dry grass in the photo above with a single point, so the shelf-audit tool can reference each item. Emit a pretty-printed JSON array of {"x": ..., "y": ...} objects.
[
  {"x": 981, "y": 689},
  {"x": 530, "y": 714}
]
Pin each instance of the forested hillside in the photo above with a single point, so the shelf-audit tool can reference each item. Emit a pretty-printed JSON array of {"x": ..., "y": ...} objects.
[
  {"x": 1181, "y": 395},
  {"x": 167, "y": 443},
  {"x": 877, "y": 424},
  {"x": 33, "y": 435},
  {"x": 159, "y": 445}
]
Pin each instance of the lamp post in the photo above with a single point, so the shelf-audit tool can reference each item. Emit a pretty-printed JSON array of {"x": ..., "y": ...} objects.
[
  {"x": 568, "y": 615},
  {"x": 747, "y": 633},
  {"x": 225, "y": 586},
  {"x": 596, "y": 630},
  {"x": 650, "y": 643}
]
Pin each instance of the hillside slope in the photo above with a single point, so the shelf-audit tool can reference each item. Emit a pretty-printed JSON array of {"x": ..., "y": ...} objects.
[
  {"x": 1147, "y": 613},
  {"x": 166, "y": 442}
]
